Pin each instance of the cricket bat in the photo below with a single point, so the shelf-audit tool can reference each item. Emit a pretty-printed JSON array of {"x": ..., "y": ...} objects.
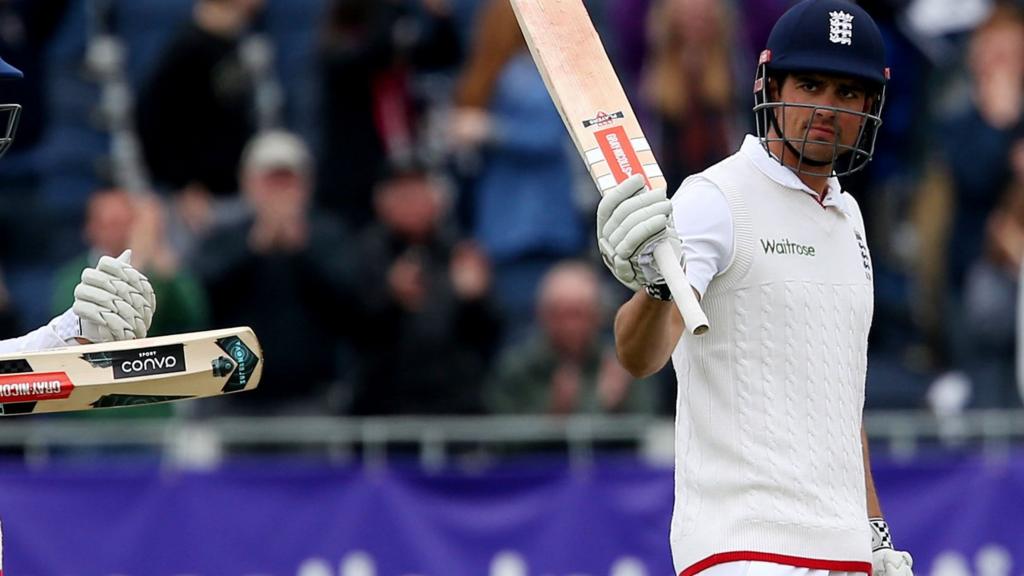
[
  {"x": 594, "y": 107},
  {"x": 130, "y": 372}
]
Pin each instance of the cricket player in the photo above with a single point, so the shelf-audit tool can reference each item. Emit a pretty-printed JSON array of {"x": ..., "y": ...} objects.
[
  {"x": 112, "y": 302},
  {"x": 772, "y": 472}
]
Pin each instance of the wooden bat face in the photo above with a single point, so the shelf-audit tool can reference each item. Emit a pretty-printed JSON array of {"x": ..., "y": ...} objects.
[
  {"x": 585, "y": 88},
  {"x": 130, "y": 373},
  {"x": 587, "y": 92}
]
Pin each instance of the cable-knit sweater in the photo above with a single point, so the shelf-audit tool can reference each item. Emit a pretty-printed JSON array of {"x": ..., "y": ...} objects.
[{"x": 768, "y": 447}]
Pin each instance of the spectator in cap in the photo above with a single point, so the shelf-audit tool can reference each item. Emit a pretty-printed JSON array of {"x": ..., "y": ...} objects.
[{"x": 284, "y": 270}]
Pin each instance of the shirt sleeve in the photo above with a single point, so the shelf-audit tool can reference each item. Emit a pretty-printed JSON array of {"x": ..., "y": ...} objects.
[
  {"x": 703, "y": 220},
  {"x": 53, "y": 335}
]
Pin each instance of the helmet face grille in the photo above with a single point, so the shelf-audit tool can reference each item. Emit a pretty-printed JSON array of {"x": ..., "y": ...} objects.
[
  {"x": 9, "y": 116},
  {"x": 832, "y": 37},
  {"x": 846, "y": 159}
]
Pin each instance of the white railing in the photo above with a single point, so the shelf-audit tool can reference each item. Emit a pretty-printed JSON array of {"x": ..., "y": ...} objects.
[{"x": 437, "y": 441}]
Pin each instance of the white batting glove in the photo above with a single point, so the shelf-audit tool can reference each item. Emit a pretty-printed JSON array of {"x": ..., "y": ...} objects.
[
  {"x": 114, "y": 301},
  {"x": 884, "y": 560},
  {"x": 631, "y": 222}
]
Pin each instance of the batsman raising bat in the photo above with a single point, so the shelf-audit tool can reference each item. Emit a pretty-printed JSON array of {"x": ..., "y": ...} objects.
[{"x": 772, "y": 471}]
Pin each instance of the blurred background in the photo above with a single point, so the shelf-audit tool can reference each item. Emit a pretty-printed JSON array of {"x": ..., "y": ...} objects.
[{"x": 383, "y": 190}]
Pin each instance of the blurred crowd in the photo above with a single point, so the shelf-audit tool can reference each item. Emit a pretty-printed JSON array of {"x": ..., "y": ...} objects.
[{"x": 384, "y": 191}]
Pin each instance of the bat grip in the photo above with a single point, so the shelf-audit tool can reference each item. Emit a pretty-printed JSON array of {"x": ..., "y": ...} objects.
[{"x": 668, "y": 263}]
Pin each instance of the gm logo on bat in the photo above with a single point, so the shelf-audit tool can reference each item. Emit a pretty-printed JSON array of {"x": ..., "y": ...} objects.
[{"x": 148, "y": 361}]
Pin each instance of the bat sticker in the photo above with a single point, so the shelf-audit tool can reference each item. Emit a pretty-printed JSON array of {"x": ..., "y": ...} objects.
[
  {"x": 618, "y": 151},
  {"x": 603, "y": 119},
  {"x": 245, "y": 360},
  {"x": 35, "y": 386},
  {"x": 148, "y": 361}
]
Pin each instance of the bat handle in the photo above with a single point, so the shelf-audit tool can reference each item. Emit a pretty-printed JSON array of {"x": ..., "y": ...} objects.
[{"x": 693, "y": 317}]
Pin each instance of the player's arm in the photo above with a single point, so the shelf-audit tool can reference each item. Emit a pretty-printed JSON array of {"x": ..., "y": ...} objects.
[
  {"x": 885, "y": 560},
  {"x": 631, "y": 221},
  {"x": 113, "y": 301},
  {"x": 646, "y": 332},
  {"x": 874, "y": 507}
]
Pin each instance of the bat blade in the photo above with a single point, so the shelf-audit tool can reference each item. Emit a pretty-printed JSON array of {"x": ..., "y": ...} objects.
[
  {"x": 587, "y": 92},
  {"x": 131, "y": 373}
]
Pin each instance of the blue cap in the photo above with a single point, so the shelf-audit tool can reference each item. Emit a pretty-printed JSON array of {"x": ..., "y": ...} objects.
[
  {"x": 9, "y": 72},
  {"x": 828, "y": 36}
]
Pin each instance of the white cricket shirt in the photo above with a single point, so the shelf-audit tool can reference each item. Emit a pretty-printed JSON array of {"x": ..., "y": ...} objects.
[
  {"x": 768, "y": 463},
  {"x": 704, "y": 223},
  {"x": 56, "y": 334}
]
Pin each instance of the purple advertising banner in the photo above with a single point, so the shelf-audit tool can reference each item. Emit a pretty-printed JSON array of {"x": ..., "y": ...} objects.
[{"x": 958, "y": 515}]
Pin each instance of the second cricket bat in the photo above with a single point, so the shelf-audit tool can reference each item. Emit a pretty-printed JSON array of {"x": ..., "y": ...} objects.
[
  {"x": 130, "y": 372},
  {"x": 593, "y": 105}
]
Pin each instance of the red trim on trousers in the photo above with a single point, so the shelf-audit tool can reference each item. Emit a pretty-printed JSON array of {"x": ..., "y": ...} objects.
[{"x": 795, "y": 561}]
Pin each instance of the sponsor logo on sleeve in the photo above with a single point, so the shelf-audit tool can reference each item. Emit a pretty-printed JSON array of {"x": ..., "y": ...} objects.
[{"x": 865, "y": 256}]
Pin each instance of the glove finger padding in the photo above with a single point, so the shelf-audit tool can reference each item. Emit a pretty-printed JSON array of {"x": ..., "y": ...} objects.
[
  {"x": 640, "y": 235},
  {"x": 622, "y": 270},
  {"x": 630, "y": 219},
  {"x": 641, "y": 215},
  {"x": 105, "y": 300},
  {"x": 118, "y": 315},
  {"x": 136, "y": 288},
  {"x": 615, "y": 197},
  {"x": 137, "y": 280},
  {"x": 98, "y": 296},
  {"x": 146, "y": 293},
  {"x": 619, "y": 217},
  {"x": 100, "y": 324},
  {"x": 107, "y": 283}
]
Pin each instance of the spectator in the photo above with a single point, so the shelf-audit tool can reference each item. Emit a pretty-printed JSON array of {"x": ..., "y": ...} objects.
[
  {"x": 371, "y": 53},
  {"x": 990, "y": 299},
  {"x": 285, "y": 271},
  {"x": 524, "y": 212},
  {"x": 197, "y": 110},
  {"x": 428, "y": 326},
  {"x": 566, "y": 366},
  {"x": 115, "y": 221},
  {"x": 989, "y": 122},
  {"x": 690, "y": 85},
  {"x": 996, "y": 66}
]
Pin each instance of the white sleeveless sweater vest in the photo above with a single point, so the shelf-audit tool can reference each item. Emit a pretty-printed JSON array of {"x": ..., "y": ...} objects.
[{"x": 768, "y": 447}]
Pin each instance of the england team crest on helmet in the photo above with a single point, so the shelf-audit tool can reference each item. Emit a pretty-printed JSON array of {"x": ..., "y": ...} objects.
[{"x": 840, "y": 27}]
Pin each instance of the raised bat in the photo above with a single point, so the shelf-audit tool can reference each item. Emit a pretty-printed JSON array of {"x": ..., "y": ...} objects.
[
  {"x": 594, "y": 107},
  {"x": 130, "y": 372}
]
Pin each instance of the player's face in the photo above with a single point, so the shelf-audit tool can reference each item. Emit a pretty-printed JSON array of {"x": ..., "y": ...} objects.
[{"x": 822, "y": 127}]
